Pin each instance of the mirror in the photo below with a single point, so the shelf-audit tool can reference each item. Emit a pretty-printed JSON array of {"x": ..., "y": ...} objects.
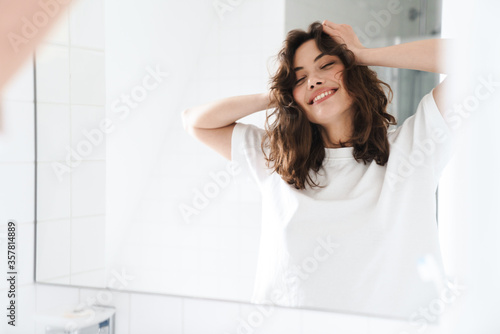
[{"x": 126, "y": 199}]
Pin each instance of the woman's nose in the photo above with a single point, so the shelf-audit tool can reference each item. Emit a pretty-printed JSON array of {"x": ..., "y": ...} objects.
[{"x": 314, "y": 82}]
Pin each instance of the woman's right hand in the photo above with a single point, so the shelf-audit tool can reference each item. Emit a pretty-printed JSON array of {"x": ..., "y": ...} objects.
[{"x": 344, "y": 34}]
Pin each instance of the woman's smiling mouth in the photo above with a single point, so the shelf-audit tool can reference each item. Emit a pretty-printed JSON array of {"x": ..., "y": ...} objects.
[{"x": 323, "y": 96}]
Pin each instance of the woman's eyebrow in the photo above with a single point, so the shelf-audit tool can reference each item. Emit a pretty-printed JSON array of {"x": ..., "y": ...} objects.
[{"x": 315, "y": 60}]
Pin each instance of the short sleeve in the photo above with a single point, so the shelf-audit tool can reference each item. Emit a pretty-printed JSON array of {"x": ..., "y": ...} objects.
[
  {"x": 246, "y": 151},
  {"x": 424, "y": 140}
]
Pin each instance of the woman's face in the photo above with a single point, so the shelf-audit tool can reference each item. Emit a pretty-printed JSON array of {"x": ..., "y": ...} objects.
[{"x": 319, "y": 88}]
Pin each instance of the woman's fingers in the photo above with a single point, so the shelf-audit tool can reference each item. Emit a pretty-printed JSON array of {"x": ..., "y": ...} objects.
[
  {"x": 330, "y": 24},
  {"x": 343, "y": 31},
  {"x": 330, "y": 29},
  {"x": 334, "y": 33},
  {"x": 343, "y": 28},
  {"x": 343, "y": 34}
]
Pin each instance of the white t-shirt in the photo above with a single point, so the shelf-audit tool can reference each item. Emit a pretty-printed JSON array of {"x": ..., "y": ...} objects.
[{"x": 368, "y": 241}]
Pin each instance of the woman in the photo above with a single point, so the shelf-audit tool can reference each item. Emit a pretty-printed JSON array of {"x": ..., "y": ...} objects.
[{"x": 348, "y": 207}]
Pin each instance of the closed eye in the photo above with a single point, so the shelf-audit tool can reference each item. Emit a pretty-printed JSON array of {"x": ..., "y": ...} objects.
[
  {"x": 299, "y": 81},
  {"x": 322, "y": 67}
]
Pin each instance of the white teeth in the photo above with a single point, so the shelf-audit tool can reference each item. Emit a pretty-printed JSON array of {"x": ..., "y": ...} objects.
[{"x": 320, "y": 96}]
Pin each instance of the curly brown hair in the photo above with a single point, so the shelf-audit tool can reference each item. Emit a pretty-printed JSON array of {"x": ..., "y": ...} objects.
[{"x": 295, "y": 144}]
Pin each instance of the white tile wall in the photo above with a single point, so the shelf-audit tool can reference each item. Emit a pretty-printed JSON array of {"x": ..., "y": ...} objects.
[
  {"x": 87, "y": 24},
  {"x": 145, "y": 310},
  {"x": 86, "y": 127},
  {"x": 87, "y": 77},
  {"x": 88, "y": 183},
  {"x": 52, "y": 73},
  {"x": 87, "y": 246},
  {"x": 16, "y": 127},
  {"x": 145, "y": 313},
  {"x": 53, "y": 192},
  {"x": 203, "y": 316},
  {"x": 276, "y": 321},
  {"x": 322, "y": 322},
  {"x": 17, "y": 188},
  {"x": 93, "y": 278},
  {"x": 17, "y": 192},
  {"x": 71, "y": 100},
  {"x": 53, "y": 259},
  {"x": 25, "y": 254},
  {"x": 20, "y": 87},
  {"x": 52, "y": 296},
  {"x": 60, "y": 32},
  {"x": 53, "y": 131}
]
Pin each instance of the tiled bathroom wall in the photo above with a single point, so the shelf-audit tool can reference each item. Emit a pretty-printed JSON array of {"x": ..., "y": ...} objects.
[
  {"x": 71, "y": 158},
  {"x": 17, "y": 184},
  {"x": 144, "y": 313}
]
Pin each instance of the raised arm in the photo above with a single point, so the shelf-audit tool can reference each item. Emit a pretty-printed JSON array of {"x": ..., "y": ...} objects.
[
  {"x": 225, "y": 111},
  {"x": 212, "y": 123},
  {"x": 423, "y": 55}
]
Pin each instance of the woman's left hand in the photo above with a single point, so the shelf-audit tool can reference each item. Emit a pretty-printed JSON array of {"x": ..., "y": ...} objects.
[{"x": 344, "y": 34}]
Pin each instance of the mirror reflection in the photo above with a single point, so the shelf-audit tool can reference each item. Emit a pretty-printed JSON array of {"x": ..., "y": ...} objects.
[{"x": 148, "y": 184}]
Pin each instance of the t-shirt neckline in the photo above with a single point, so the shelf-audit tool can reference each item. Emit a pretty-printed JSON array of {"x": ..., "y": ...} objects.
[{"x": 339, "y": 152}]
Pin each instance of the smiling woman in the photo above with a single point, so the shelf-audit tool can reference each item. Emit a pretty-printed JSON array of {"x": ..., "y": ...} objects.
[
  {"x": 322, "y": 83},
  {"x": 312, "y": 63},
  {"x": 329, "y": 127}
]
